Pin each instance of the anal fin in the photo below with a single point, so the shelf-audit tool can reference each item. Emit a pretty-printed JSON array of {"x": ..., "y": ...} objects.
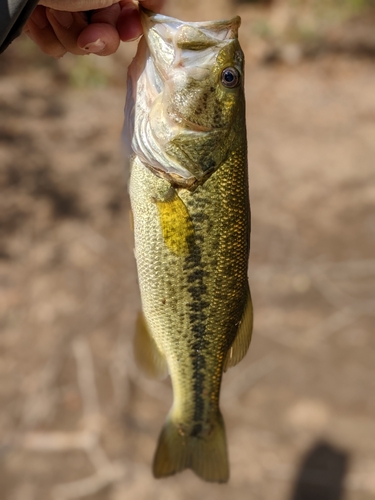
[
  {"x": 242, "y": 340},
  {"x": 147, "y": 354}
]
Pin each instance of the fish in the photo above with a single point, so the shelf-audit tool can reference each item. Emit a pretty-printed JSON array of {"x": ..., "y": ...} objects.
[{"x": 185, "y": 127}]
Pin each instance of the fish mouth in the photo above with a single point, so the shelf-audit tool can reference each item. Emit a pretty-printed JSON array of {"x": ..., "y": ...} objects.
[
  {"x": 166, "y": 139},
  {"x": 225, "y": 29},
  {"x": 174, "y": 43}
]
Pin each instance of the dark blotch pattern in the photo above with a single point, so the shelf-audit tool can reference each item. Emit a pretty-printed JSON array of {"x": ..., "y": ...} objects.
[{"x": 195, "y": 271}]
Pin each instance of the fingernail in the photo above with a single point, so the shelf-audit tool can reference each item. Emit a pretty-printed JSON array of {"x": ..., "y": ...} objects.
[
  {"x": 95, "y": 47},
  {"x": 129, "y": 24},
  {"x": 65, "y": 19}
]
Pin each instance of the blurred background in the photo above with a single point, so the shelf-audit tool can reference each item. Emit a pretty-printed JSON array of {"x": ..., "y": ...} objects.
[{"x": 77, "y": 419}]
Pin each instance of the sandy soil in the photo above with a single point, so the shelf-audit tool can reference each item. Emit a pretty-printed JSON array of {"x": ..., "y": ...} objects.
[{"x": 77, "y": 419}]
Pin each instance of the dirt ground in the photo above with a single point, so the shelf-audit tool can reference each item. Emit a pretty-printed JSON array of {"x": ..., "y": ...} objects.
[{"x": 77, "y": 419}]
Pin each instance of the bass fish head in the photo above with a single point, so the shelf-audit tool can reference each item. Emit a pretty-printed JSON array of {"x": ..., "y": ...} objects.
[{"x": 186, "y": 97}]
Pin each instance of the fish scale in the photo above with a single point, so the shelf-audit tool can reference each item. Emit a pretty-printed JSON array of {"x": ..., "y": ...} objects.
[{"x": 191, "y": 249}]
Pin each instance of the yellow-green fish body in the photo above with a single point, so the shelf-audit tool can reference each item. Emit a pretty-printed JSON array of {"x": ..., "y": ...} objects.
[{"x": 189, "y": 197}]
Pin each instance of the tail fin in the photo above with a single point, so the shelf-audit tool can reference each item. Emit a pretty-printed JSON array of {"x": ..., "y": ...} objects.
[{"x": 205, "y": 455}]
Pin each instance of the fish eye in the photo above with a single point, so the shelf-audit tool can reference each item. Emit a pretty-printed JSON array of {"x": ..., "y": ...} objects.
[{"x": 230, "y": 78}]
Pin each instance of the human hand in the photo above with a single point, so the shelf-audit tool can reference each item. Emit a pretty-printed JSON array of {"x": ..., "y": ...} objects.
[{"x": 85, "y": 26}]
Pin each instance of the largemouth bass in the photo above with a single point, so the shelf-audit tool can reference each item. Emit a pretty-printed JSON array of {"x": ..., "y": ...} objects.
[{"x": 185, "y": 111}]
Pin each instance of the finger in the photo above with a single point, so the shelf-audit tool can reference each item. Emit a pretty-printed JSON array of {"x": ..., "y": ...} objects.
[
  {"x": 129, "y": 25},
  {"x": 67, "y": 27},
  {"x": 101, "y": 39},
  {"x": 108, "y": 15},
  {"x": 101, "y": 36},
  {"x": 154, "y": 5},
  {"x": 77, "y": 5},
  {"x": 41, "y": 32}
]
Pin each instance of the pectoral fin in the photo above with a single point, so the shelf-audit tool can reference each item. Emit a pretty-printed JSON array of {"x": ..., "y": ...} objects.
[
  {"x": 176, "y": 224},
  {"x": 147, "y": 354},
  {"x": 242, "y": 340}
]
